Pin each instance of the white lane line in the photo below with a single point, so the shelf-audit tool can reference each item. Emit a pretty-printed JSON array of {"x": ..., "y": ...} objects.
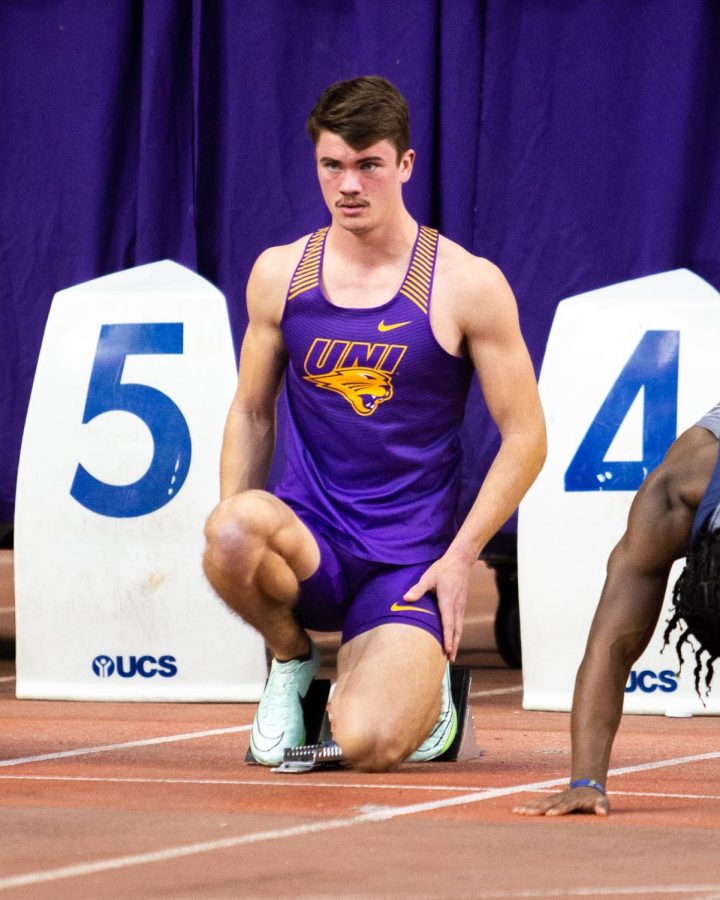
[
  {"x": 495, "y": 692},
  {"x": 377, "y": 815},
  {"x": 667, "y": 796},
  {"x": 108, "y": 748},
  {"x": 607, "y": 891},
  {"x": 661, "y": 794},
  {"x": 293, "y": 782},
  {"x": 290, "y": 781},
  {"x": 665, "y": 763},
  {"x": 623, "y": 891}
]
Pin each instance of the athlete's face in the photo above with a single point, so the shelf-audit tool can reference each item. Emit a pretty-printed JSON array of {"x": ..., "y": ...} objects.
[{"x": 362, "y": 188}]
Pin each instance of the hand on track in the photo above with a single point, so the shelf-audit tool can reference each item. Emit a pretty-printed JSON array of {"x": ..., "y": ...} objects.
[{"x": 578, "y": 800}]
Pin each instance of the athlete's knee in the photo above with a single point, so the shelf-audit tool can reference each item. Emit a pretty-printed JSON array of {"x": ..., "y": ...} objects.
[
  {"x": 239, "y": 528},
  {"x": 370, "y": 746}
]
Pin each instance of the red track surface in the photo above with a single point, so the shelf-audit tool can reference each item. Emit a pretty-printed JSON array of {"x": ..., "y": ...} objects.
[{"x": 113, "y": 812}]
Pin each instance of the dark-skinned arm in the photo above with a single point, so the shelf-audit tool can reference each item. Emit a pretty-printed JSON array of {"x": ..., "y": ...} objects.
[{"x": 658, "y": 533}]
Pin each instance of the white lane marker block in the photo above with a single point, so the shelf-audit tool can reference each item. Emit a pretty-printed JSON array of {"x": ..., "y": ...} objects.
[
  {"x": 118, "y": 472},
  {"x": 627, "y": 368}
]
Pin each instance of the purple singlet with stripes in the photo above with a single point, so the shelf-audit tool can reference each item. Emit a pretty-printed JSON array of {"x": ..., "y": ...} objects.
[{"x": 375, "y": 405}]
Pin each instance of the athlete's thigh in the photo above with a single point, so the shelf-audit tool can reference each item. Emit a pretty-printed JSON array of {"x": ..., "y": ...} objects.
[
  {"x": 324, "y": 596},
  {"x": 389, "y": 678}
]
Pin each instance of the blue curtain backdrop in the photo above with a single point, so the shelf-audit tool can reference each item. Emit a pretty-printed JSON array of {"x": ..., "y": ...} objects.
[{"x": 574, "y": 143}]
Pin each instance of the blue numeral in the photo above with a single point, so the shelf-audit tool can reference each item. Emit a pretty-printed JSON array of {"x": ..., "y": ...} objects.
[
  {"x": 653, "y": 366},
  {"x": 170, "y": 433}
]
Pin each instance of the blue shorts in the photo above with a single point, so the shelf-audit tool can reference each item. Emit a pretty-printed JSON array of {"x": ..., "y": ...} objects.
[{"x": 353, "y": 595}]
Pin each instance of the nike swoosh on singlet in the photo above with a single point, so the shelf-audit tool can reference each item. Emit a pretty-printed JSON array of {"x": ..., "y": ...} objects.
[
  {"x": 397, "y": 607},
  {"x": 383, "y": 327}
]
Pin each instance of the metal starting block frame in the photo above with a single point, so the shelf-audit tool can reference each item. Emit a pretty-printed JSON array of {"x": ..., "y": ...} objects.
[
  {"x": 326, "y": 755},
  {"x": 321, "y": 752}
]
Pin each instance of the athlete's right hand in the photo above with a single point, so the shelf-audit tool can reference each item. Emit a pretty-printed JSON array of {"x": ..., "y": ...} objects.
[
  {"x": 448, "y": 578},
  {"x": 580, "y": 800}
]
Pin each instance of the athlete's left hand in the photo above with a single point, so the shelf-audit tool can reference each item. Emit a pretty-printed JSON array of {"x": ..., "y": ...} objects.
[{"x": 448, "y": 579}]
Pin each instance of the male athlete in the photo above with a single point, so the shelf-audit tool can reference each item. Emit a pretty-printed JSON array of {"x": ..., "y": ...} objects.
[
  {"x": 676, "y": 509},
  {"x": 376, "y": 325}
]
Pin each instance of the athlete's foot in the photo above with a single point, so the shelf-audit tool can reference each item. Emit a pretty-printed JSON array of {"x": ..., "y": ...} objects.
[
  {"x": 444, "y": 730},
  {"x": 279, "y": 721}
]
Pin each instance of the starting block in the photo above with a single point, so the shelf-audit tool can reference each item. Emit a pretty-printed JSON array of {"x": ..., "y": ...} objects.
[
  {"x": 465, "y": 744},
  {"x": 325, "y": 755},
  {"x": 321, "y": 752}
]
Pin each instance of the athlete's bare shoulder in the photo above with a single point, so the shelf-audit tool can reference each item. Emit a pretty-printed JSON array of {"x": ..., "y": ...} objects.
[
  {"x": 464, "y": 271},
  {"x": 689, "y": 464},
  {"x": 471, "y": 287},
  {"x": 270, "y": 277}
]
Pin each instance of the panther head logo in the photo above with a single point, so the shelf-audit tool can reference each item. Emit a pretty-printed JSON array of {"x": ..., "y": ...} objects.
[{"x": 364, "y": 389}]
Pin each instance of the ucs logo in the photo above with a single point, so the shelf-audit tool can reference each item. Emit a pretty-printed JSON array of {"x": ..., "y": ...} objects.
[
  {"x": 647, "y": 682},
  {"x": 127, "y": 667}
]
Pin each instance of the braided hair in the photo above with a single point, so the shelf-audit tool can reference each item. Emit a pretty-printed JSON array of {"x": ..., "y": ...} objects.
[{"x": 696, "y": 606}]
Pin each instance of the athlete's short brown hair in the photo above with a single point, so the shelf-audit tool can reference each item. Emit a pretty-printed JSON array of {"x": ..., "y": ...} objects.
[{"x": 362, "y": 111}]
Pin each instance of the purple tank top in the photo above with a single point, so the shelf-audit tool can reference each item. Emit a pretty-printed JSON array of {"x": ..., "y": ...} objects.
[{"x": 375, "y": 405}]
